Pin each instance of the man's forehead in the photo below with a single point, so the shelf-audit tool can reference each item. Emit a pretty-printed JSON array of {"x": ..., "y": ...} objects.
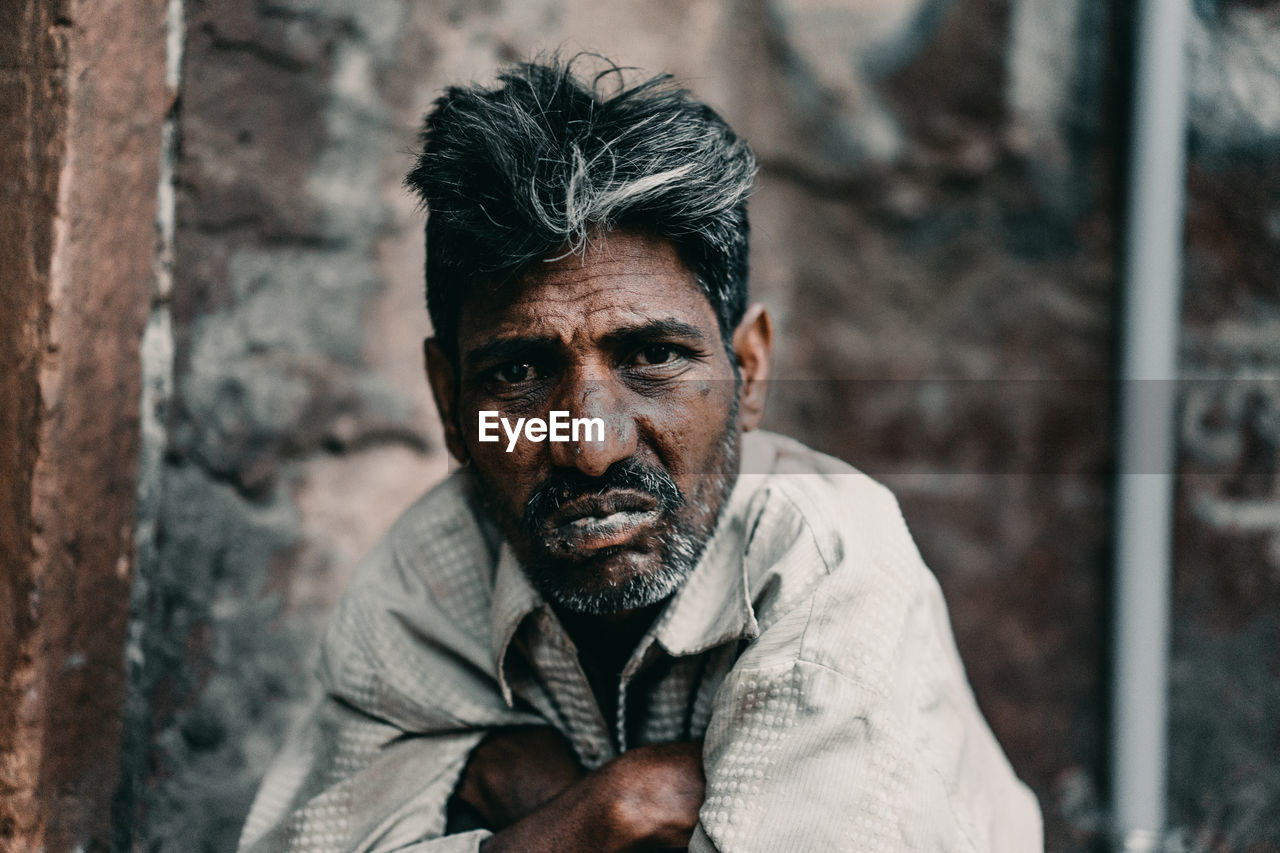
[
  {"x": 619, "y": 280},
  {"x": 611, "y": 253}
]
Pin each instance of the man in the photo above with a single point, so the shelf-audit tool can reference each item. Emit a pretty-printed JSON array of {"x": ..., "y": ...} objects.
[{"x": 661, "y": 630}]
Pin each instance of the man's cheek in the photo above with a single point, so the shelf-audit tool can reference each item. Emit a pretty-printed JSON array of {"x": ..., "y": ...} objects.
[
  {"x": 512, "y": 474},
  {"x": 693, "y": 425}
]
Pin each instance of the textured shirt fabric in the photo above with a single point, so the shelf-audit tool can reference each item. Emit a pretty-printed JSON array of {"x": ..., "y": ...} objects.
[{"x": 810, "y": 648}]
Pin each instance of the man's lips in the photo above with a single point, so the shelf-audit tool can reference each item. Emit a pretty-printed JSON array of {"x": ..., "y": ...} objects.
[
  {"x": 602, "y": 505},
  {"x": 592, "y": 533},
  {"x": 596, "y": 521}
]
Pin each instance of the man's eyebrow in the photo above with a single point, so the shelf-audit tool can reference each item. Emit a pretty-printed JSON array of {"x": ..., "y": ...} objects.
[
  {"x": 522, "y": 347},
  {"x": 507, "y": 348},
  {"x": 652, "y": 330}
]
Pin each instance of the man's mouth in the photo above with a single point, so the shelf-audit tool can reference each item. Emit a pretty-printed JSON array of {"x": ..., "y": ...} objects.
[{"x": 593, "y": 522}]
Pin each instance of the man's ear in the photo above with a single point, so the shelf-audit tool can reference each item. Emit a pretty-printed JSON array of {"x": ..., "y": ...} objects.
[
  {"x": 443, "y": 377},
  {"x": 753, "y": 343}
]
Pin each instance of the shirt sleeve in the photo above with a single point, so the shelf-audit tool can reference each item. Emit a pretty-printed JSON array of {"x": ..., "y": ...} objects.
[
  {"x": 864, "y": 737},
  {"x": 346, "y": 782}
]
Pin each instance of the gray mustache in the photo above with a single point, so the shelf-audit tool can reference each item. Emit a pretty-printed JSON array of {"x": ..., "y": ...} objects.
[{"x": 628, "y": 474}]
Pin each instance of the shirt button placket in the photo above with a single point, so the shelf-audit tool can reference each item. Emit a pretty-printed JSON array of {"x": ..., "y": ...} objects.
[{"x": 571, "y": 691}]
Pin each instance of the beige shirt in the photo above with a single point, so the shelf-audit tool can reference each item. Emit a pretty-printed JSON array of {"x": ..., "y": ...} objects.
[{"x": 810, "y": 647}]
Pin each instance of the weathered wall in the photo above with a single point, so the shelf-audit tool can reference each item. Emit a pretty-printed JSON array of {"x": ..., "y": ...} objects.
[
  {"x": 290, "y": 438},
  {"x": 1225, "y": 700},
  {"x": 81, "y": 98},
  {"x": 32, "y": 109},
  {"x": 950, "y": 317}
]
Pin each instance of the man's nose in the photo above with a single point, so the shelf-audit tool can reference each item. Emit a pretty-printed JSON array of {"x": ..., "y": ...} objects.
[{"x": 594, "y": 398}]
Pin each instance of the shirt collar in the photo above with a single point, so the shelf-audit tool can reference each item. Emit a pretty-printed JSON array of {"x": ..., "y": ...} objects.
[
  {"x": 514, "y": 598},
  {"x": 712, "y": 607}
]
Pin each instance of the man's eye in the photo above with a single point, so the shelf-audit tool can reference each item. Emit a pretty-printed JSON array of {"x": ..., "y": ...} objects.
[
  {"x": 516, "y": 372},
  {"x": 657, "y": 354}
]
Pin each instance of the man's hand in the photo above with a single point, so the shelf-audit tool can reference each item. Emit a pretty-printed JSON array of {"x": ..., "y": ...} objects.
[
  {"x": 514, "y": 771},
  {"x": 661, "y": 789},
  {"x": 646, "y": 799}
]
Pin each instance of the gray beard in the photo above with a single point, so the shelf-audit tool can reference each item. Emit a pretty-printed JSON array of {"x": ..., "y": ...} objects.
[{"x": 680, "y": 552}]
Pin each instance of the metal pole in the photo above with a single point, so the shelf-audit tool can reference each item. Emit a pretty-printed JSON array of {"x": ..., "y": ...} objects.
[{"x": 1146, "y": 451}]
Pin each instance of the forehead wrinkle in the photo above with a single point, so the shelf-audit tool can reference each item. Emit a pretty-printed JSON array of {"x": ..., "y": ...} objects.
[
  {"x": 561, "y": 278},
  {"x": 628, "y": 277},
  {"x": 557, "y": 292},
  {"x": 553, "y": 297},
  {"x": 543, "y": 326}
]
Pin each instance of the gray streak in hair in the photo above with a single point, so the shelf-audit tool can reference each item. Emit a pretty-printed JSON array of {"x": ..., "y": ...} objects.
[{"x": 527, "y": 170}]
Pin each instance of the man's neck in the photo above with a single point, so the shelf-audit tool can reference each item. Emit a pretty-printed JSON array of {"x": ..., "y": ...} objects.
[{"x": 605, "y": 643}]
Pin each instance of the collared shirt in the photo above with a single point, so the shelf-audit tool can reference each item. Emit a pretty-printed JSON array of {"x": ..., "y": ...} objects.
[{"x": 810, "y": 648}]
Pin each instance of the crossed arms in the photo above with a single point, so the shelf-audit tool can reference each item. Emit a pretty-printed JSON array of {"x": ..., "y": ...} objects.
[{"x": 527, "y": 784}]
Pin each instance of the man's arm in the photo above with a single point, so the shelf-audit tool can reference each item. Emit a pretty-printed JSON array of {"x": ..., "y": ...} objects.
[
  {"x": 866, "y": 738},
  {"x": 346, "y": 781},
  {"x": 527, "y": 783}
]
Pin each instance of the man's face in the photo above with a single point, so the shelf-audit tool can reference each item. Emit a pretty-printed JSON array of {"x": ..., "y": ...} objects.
[{"x": 624, "y": 334}]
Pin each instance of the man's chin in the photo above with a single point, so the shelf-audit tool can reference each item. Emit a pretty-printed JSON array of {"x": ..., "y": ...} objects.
[{"x": 607, "y": 581}]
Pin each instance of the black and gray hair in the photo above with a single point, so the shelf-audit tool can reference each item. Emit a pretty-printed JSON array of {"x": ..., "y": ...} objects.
[{"x": 528, "y": 169}]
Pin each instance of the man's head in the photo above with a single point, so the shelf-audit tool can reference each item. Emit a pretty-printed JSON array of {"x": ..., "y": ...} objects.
[{"x": 587, "y": 253}]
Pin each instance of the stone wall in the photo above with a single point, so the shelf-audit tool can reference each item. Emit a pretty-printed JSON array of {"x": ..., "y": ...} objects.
[
  {"x": 81, "y": 100},
  {"x": 1225, "y": 699}
]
